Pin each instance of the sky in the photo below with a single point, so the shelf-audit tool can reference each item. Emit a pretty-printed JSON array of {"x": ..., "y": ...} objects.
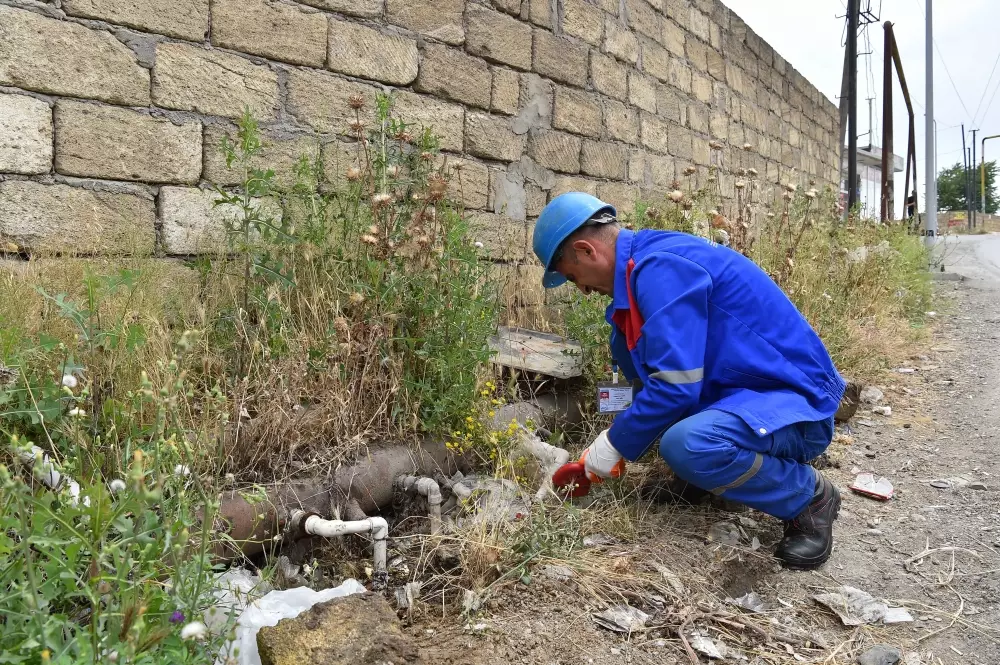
[{"x": 810, "y": 36}]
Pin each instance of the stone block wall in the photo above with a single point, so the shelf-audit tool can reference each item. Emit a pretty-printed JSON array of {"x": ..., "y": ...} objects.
[{"x": 111, "y": 111}]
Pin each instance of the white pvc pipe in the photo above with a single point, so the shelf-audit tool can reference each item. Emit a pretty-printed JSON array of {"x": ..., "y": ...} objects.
[
  {"x": 49, "y": 476},
  {"x": 429, "y": 488},
  {"x": 376, "y": 526},
  {"x": 549, "y": 457}
]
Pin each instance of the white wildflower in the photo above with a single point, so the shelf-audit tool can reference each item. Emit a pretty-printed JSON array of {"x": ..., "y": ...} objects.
[
  {"x": 811, "y": 194},
  {"x": 181, "y": 470},
  {"x": 676, "y": 196},
  {"x": 69, "y": 381},
  {"x": 117, "y": 485},
  {"x": 479, "y": 245},
  {"x": 77, "y": 412},
  {"x": 195, "y": 630},
  {"x": 381, "y": 199}
]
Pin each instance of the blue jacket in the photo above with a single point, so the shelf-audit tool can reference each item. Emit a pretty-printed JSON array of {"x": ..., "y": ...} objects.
[{"x": 703, "y": 327}]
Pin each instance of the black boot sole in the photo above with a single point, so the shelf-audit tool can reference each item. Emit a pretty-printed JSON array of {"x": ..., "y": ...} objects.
[{"x": 815, "y": 562}]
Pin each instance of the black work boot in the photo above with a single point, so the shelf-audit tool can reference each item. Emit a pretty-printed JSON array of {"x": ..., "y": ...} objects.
[
  {"x": 808, "y": 539},
  {"x": 672, "y": 491}
]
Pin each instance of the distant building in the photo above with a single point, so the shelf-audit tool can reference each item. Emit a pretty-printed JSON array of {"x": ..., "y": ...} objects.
[{"x": 869, "y": 184}]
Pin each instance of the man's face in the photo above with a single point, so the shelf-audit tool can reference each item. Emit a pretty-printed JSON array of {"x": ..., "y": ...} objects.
[{"x": 589, "y": 265}]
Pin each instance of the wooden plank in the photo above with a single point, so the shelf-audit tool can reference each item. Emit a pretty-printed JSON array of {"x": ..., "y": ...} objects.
[{"x": 542, "y": 353}]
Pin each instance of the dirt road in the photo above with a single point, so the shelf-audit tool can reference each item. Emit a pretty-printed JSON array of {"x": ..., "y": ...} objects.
[{"x": 933, "y": 549}]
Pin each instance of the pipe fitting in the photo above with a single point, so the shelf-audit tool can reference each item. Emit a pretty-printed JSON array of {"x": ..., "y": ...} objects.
[
  {"x": 429, "y": 488},
  {"x": 376, "y": 527}
]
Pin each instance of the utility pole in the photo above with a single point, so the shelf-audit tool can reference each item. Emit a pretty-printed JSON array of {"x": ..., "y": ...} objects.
[
  {"x": 930, "y": 228},
  {"x": 968, "y": 201},
  {"x": 852, "y": 103},
  {"x": 972, "y": 180}
]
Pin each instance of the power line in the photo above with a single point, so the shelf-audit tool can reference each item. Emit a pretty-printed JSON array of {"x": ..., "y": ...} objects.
[
  {"x": 986, "y": 89},
  {"x": 987, "y": 112},
  {"x": 946, "y": 70}
]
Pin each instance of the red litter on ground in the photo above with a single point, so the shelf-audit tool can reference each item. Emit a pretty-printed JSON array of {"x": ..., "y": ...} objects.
[{"x": 877, "y": 488}]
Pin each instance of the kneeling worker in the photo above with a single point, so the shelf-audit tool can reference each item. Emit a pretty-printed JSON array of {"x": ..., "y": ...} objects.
[{"x": 736, "y": 385}]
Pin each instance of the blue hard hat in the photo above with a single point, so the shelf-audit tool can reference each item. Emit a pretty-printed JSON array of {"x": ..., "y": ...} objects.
[{"x": 561, "y": 217}]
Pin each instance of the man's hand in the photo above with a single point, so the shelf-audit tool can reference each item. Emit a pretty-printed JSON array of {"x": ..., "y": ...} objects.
[{"x": 601, "y": 460}]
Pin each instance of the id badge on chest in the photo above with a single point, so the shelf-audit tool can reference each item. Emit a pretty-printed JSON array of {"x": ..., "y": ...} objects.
[{"x": 613, "y": 397}]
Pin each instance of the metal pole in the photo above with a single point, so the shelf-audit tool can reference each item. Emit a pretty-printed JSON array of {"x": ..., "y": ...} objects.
[
  {"x": 972, "y": 180},
  {"x": 888, "y": 207},
  {"x": 852, "y": 104},
  {"x": 931, "y": 228},
  {"x": 968, "y": 202}
]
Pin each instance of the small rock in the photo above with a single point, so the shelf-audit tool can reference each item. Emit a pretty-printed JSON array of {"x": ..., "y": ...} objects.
[
  {"x": 882, "y": 410},
  {"x": 880, "y": 655},
  {"x": 725, "y": 533},
  {"x": 872, "y": 395},
  {"x": 977, "y": 486},
  {"x": 557, "y": 573}
]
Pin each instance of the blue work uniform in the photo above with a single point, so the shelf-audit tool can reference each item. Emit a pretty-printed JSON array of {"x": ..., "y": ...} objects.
[{"x": 736, "y": 385}]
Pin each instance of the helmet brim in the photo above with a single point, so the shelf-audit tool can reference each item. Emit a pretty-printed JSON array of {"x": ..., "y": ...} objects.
[{"x": 551, "y": 279}]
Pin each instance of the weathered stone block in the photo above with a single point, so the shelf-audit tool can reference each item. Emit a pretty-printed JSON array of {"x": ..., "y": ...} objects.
[
  {"x": 697, "y": 53},
  {"x": 440, "y": 19},
  {"x": 452, "y": 74},
  {"x": 61, "y": 218},
  {"x": 680, "y": 75},
  {"x": 560, "y": 59},
  {"x": 281, "y": 152},
  {"x": 505, "y": 96},
  {"x": 503, "y": 238},
  {"x": 357, "y": 50},
  {"x": 737, "y": 81},
  {"x": 365, "y": 8},
  {"x": 555, "y": 150},
  {"x": 540, "y": 13},
  {"x": 644, "y": 18},
  {"x": 716, "y": 64},
  {"x": 604, "y": 160},
  {"x": 521, "y": 285},
  {"x": 608, "y": 76},
  {"x": 576, "y": 111},
  {"x": 191, "y": 223},
  {"x": 642, "y": 91},
  {"x": 120, "y": 144},
  {"x": 272, "y": 29},
  {"x": 656, "y": 133},
  {"x": 566, "y": 184},
  {"x": 191, "y": 78},
  {"x": 468, "y": 181},
  {"x": 512, "y": 7},
  {"x": 655, "y": 60},
  {"x": 184, "y": 19},
  {"x": 621, "y": 122},
  {"x": 25, "y": 135},
  {"x": 620, "y": 42},
  {"x": 498, "y": 37},
  {"x": 662, "y": 170},
  {"x": 679, "y": 11},
  {"x": 701, "y": 87},
  {"x": 701, "y": 153},
  {"x": 673, "y": 38},
  {"x": 697, "y": 117},
  {"x": 681, "y": 143},
  {"x": 718, "y": 125},
  {"x": 338, "y": 158},
  {"x": 491, "y": 137},
  {"x": 583, "y": 20},
  {"x": 699, "y": 25},
  {"x": 638, "y": 168},
  {"x": 622, "y": 196},
  {"x": 62, "y": 58},
  {"x": 322, "y": 100},
  {"x": 445, "y": 120},
  {"x": 670, "y": 106}
]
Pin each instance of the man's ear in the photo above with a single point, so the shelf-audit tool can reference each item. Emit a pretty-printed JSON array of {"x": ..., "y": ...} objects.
[{"x": 585, "y": 247}]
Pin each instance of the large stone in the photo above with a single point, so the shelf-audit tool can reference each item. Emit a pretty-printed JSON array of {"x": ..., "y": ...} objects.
[
  {"x": 62, "y": 58},
  {"x": 492, "y": 137},
  {"x": 621, "y": 122},
  {"x": 697, "y": 117},
  {"x": 680, "y": 75},
  {"x": 567, "y": 183},
  {"x": 498, "y": 37},
  {"x": 322, "y": 100},
  {"x": 25, "y": 135},
  {"x": 681, "y": 143},
  {"x": 352, "y": 630},
  {"x": 583, "y": 20},
  {"x": 468, "y": 181},
  {"x": 440, "y": 19},
  {"x": 655, "y": 60},
  {"x": 445, "y": 120},
  {"x": 506, "y": 93},
  {"x": 357, "y": 50},
  {"x": 95, "y": 141},
  {"x": 540, "y": 13},
  {"x": 450, "y": 73},
  {"x": 503, "y": 238},
  {"x": 191, "y": 223},
  {"x": 191, "y": 78},
  {"x": 365, "y": 8},
  {"x": 61, "y": 218},
  {"x": 281, "y": 152},
  {"x": 702, "y": 88},
  {"x": 555, "y": 150},
  {"x": 604, "y": 160},
  {"x": 275, "y": 30},
  {"x": 642, "y": 91},
  {"x": 673, "y": 38},
  {"x": 608, "y": 76},
  {"x": 621, "y": 195},
  {"x": 644, "y": 18},
  {"x": 670, "y": 106},
  {"x": 184, "y": 19},
  {"x": 576, "y": 111},
  {"x": 620, "y": 42},
  {"x": 697, "y": 53},
  {"x": 656, "y": 133},
  {"x": 560, "y": 59},
  {"x": 338, "y": 158}
]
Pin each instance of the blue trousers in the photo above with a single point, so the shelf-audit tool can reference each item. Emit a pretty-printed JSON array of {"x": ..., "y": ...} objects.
[{"x": 718, "y": 452}]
